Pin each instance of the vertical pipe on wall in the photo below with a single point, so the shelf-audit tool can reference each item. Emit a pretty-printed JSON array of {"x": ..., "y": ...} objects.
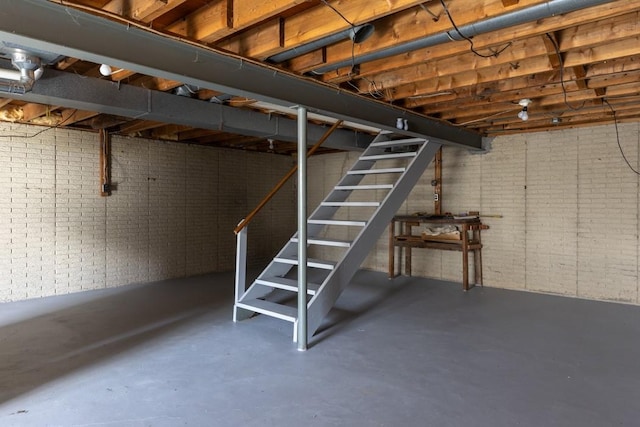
[
  {"x": 302, "y": 229},
  {"x": 105, "y": 163},
  {"x": 437, "y": 192}
]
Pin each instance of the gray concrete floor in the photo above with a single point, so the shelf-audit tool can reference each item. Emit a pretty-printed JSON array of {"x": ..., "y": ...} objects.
[{"x": 407, "y": 352}]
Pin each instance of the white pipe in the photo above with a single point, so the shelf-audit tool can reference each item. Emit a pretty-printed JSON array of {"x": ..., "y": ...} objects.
[{"x": 14, "y": 75}]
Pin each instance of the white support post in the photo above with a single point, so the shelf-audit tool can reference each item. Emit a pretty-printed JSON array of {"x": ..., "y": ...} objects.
[
  {"x": 302, "y": 229},
  {"x": 241, "y": 271}
]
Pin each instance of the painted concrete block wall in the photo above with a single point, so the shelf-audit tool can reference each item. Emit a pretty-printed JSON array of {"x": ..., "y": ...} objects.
[
  {"x": 569, "y": 207},
  {"x": 172, "y": 214}
]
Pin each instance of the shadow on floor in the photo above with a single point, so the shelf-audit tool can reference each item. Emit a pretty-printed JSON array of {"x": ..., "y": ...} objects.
[
  {"x": 38, "y": 350},
  {"x": 363, "y": 295}
]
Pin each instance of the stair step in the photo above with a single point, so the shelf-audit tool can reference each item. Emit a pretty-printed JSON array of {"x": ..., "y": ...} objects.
[
  {"x": 325, "y": 242},
  {"x": 375, "y": 171},
  {"x": 354, "y": 223},
  {"x": 269, "y": 308},
  {"x": 389, "y": 156},
  {"x": 314, "y": 263},
  {"x": 287, "y": 284},
  {"x": 354, "y": 204},
  {"x": 398, "y": 142},
  {"x": 364, "y": 187}
]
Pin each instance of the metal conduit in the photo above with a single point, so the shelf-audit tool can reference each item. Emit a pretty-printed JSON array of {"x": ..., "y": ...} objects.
[
  {"x": 533, "y": 13},
  {"x": 357, "y": 34}
]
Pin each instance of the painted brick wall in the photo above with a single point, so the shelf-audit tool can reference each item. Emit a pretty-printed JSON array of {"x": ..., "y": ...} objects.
[
  {"x": 569, "y": 207},
  {"x": 172, "y": 215}
]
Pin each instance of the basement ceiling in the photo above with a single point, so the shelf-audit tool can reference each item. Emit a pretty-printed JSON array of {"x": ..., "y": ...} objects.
[{"x": 466, "y": 64}]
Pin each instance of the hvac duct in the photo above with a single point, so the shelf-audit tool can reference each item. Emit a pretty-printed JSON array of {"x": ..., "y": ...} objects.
[
  {"x": 357, "y": 34},
  {"x": 529, "y": 14},
  {"x": 28, "y": 70}
]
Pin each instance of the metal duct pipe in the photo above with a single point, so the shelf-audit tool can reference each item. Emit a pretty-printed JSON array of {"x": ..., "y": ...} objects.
[
  {"x": 357, "y": 34},
  {"x": 11, "y": 86},
  {"x": 20, "y": 81},
  {"x": 533, "y": 13}
]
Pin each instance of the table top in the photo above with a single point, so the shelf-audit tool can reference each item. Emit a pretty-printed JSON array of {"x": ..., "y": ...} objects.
[{"x": 437, "y": 219}]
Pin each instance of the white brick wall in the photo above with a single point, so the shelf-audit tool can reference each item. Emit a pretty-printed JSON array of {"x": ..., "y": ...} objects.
[
  {"x": 172, "y": 215},
  {"x": 568, "y": 202},
  {"x": 569, "y": 208}
]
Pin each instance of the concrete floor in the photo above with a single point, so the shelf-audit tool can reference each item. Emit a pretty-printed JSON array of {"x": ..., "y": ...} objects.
[{"x": 408, "y": 352}]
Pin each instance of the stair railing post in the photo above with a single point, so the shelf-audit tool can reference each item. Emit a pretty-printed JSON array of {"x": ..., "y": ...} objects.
[
  {"x": 302, "y": 229},
  {"x": 241, "y": 268}
]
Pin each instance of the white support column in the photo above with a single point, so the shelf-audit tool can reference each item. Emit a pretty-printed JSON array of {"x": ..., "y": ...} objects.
[
  {"x": 302, "y": 229},
  {"x": 241, "y": 272}
]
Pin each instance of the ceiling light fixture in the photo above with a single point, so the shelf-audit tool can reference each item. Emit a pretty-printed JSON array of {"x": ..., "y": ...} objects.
[
  {"x": 524, "y": 113},
  {"x": 105, "y": 70}
]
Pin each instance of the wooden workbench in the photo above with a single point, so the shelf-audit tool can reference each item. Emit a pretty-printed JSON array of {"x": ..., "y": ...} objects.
[{"x": 401, "y": 236}]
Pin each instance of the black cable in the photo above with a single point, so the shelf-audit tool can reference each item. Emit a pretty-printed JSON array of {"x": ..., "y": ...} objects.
[
  {"x": 473, "y": 49},
  {"x": 615, "y": 121},
  {"x": 376, "y": 94},
  {"x": 564, "y": 88},
  {"x": 338, "y": 12},
  {"x": 41, "y": 131}
]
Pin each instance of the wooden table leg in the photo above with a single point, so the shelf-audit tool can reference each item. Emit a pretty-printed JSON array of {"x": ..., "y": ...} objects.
[
  {"x": 407, "y": 252},
  {"x": 392, "y": 250},
  {"x": 465, "y": 258},
  {"x": 477, "y": 258}
]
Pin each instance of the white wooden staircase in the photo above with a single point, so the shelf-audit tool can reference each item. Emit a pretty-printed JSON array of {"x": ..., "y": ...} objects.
[{"x": 398, "y": 163}]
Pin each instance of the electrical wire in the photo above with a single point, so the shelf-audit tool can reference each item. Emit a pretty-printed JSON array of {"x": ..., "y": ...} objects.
[
  {"x": 374, "y": 92},
  {"x": 485, "y": 118},
  {"x": 326, "y": 3},
  {"x": 494, "y": 54},
  {"x": 564, "y": 88},
  {"x": 615, "y": 121},
  {"x": 41, "y": 131}
]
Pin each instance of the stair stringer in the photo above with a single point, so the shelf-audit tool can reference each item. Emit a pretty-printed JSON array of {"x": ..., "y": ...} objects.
[
  {"x": 320, "y": 305},
  {"x": 256, "y": 290}
]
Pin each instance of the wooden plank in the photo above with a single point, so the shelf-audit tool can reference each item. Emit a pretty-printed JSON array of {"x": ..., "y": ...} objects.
[
  {"x": 520, "y": 50},
  {"x": 296, "y": 30},
  {"x": 138, "y": 126},
  {"x": 71, "y": 116},
  {"x": 259, "y": 42},
  {"x": 251, "y": 12},
  {"x": 628, "y": 47},
  {"x": 604, "y": 31},
  {"x": 32, "y": 111},
  {"x": 551, "y": 44},
  {"x": 212, "y": 21}
]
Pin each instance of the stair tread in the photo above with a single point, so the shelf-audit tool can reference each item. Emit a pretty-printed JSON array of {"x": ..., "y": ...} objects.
[
  {"x": 371, "y": 204},
  {"x": 269, "y": 308},
  {"x": 287, "y": 284},
  {"x": 375, "y": 171},
  {"x": 311, "y": 262},
  {"x": 389, "y": 156},
  {"x": 398, "y": 142},
  {"x": 359, "y": 223},
  {"x": 325, "y": 242},
  {"x": 364, "y": 187}
]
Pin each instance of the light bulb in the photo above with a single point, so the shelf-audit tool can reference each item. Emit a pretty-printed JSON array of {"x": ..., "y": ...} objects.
[
  {"x": 523, "y": 115},
  {"x": 105, "y": 70}
]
